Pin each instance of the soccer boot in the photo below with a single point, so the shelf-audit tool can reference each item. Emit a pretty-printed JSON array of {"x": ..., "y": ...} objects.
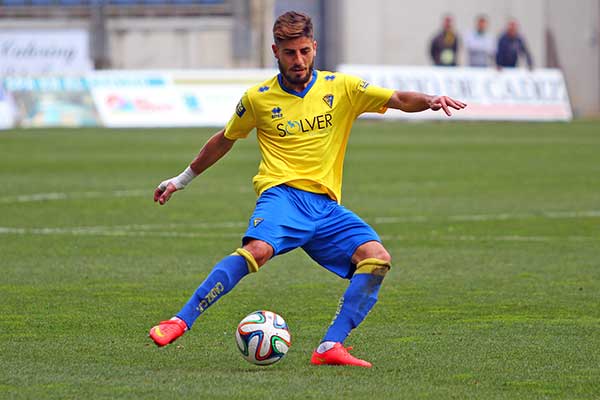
[
  {"x": 338, "y": 355},
  {"x": 167, "y": 331}
]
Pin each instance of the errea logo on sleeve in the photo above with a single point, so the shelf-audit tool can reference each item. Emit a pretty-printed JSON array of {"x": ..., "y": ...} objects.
[
  {"x": 240, "y": 109},
  {"x": 362, "y": 86}
]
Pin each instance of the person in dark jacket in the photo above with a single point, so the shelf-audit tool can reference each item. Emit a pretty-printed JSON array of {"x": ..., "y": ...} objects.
[
  {"x": 511, "y": 45},
  {"x": 444, "y": 46}
]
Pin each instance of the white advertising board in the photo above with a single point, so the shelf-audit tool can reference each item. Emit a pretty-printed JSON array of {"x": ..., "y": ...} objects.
[
  {"x": 51, "y": 101},
  {"x": 214, "y": 94},
  {"x": 161, "y": 99},
  {"x": 134, "y": 98},
  {"x": 6, "y": 110},
  {"x": 490, "y": 94},
  {"x": 40, "y": 52},
  {"x": 209, "y": 97}
]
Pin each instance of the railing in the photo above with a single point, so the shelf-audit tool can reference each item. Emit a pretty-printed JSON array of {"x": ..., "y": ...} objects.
[{"x": 125, "y": 8}]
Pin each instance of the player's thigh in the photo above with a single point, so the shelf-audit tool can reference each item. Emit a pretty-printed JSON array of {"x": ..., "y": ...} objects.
[
  {"x": 337, "y": 239},
  {"x": 278, "y": 222}
]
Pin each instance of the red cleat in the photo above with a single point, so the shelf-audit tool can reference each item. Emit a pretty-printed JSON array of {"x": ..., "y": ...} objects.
[
  {"x": 338, "y": 355},
  {"x": 167, "y": 331}
]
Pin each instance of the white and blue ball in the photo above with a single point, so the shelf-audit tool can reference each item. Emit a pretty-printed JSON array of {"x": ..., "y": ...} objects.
[{"x": 263, "y": 337}]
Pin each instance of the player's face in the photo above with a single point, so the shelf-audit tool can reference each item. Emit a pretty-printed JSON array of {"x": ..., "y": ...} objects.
[{"x": 296, "y": 59}]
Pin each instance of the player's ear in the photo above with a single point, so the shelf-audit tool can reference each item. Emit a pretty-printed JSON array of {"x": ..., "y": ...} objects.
[
  {"x": 275, "y": 50},
  {"x": 315, "y": 45}
]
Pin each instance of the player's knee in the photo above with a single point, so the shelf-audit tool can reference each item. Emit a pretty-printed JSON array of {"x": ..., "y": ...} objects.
[
  {"x": 383, "y": 255},
  {"x": 372, "y": 258},
  {"x": 260, "y": 251},
  {"x": 371, "y": 250}
]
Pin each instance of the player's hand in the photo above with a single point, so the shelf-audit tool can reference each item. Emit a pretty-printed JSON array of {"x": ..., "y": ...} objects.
[
  {"x": 164, "y": 191},
  {"x": 445, "y": 103}
]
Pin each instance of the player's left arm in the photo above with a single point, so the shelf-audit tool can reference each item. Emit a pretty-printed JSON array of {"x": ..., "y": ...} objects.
[{"x": 416, "y": 102}]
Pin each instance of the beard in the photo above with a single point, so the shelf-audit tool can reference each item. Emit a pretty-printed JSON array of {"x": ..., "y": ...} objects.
[{"x": 295, "y": 80}]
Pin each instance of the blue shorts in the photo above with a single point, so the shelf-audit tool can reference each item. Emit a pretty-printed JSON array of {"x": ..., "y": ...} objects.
[{"x": 288, "y": 218}]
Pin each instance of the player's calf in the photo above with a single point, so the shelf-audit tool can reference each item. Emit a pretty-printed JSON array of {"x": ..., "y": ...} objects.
[
  {"x": 223, "y": 277},
  {"x": 358, "y": 299}
]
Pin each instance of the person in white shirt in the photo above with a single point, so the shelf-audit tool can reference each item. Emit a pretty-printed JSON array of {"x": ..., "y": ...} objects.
[{"x": 480, "y": 44}]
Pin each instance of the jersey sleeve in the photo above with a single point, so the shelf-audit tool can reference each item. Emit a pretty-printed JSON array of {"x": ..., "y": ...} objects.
[
  {"x": 366, "y": 97},
  {"x": 242, "y": 121}
]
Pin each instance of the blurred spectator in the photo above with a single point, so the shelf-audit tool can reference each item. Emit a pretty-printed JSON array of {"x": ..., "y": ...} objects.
[
  {"x": 510, "y": 46},
  {"x": 480, "y": 44},
  {"x": 444, "y": 46}
]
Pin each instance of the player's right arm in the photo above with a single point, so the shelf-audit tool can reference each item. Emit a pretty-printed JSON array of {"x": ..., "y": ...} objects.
[
  {"x": 238, "y": 127},
  {"x": 216, "y": 147}
]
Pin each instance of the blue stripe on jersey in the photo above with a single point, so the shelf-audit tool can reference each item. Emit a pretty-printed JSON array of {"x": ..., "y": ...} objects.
[{"x": 299, "y": 94}]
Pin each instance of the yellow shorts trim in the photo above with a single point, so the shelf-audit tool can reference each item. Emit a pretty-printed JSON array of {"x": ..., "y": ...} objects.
[
  {"x": 373, "y": 266},
  {"x": 250, "y": 261}
]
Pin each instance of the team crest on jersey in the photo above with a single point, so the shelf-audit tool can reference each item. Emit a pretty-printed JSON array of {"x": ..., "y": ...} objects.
[
  {"x": 240, "y": 109},
  {"x": 362, "y": 86},
  {"x": 276, "y": 113},
  {"x": 257, "y": 221},
  {"x": 328, "y": 99}
]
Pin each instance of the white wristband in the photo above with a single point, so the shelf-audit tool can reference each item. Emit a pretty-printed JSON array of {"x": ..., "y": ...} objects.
[{"x": 180, "y": 181}]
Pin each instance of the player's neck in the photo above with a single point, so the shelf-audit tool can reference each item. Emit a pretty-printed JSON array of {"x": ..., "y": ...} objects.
[{"x": 297, "y": 87}]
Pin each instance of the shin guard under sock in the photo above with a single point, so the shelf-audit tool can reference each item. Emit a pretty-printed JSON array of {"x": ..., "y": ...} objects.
[{"x": 223, "y": 277}]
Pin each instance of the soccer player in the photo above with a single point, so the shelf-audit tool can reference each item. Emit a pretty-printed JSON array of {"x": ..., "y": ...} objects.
[{"x": 303, "y": 119}]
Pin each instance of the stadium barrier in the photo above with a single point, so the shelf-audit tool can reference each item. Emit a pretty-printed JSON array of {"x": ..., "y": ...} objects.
[
  {"x": 6, "y": 111},
  {"x": 176, "y": 98},
  {"x": 51, "y": 102},
  {"x": 209, "y": 97},
  {"x": 139, "y": 99},
  {"x": 491, "y": 94}
]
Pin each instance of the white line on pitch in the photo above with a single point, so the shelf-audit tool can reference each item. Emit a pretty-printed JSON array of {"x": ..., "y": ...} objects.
[
  {"x": 114, "y": 232},
  {"x": 53, "y": 196},
  {"x": 491, "y": 217},
  {"x": 127, "y": 231},
  {"x": 510, "y": 238},
  {"x": 137, "y": 230}
]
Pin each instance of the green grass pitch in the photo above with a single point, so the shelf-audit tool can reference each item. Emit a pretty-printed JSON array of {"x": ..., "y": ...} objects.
[{"x": 494, "y": 293}]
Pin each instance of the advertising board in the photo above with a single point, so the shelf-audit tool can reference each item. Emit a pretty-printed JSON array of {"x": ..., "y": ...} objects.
[
  {"x": 178, "y": 98},
  {"x": 39, "y": 52},
  {"x": 52, "y": 101},
  {"x": 6, "y": 110},
  {"x": 509, "y": 94}
]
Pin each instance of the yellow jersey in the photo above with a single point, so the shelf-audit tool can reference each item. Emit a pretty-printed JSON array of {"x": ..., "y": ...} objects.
[{"x": 303, "y": 135}]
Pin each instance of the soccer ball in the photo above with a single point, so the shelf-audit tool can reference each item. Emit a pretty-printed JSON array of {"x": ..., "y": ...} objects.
[{"x": 263, "y": 337}]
